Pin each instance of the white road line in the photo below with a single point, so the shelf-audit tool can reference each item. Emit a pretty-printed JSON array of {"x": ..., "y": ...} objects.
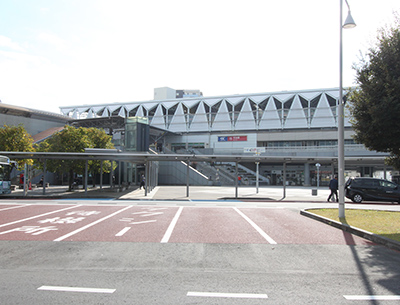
[
  {"x": 227, "y": 295},
  {"x": 76, "y": 289},
  {"x": 37, "y": 216},
  {"x": 145, "y": 221},
  {"x": 152, "y": 214},
  {"x": 257, "y": 228},
  {"x": 123, "y": 231},
  {"x": 171, "y": 227},
  {"x": 16, "y": 207},
  {"x": 91, "y": 224},
  {"x": 372, "y": 297}
]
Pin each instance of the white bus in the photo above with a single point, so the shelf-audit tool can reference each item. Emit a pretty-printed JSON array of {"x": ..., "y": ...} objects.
[{"x": 6, "y": 167}]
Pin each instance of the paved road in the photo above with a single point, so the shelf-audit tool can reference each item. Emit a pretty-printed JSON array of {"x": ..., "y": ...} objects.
[
  {"x": 155, "y": 253},
  {"x": 99, "y": 223}
]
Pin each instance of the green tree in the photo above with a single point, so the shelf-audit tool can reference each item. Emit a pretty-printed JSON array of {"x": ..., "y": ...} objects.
[
  {"x": 16, "y": 138},
  {"x": 375, "y": 103},
  {"x": 99, "y": 139},
  {"x": 72, "y": 139}
]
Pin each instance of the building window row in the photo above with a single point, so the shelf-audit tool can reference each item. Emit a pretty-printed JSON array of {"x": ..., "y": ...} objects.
[{"x": 312, "y": 143}]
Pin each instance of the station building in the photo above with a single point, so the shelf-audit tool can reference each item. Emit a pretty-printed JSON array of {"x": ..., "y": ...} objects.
[{"x": 287, "y": 124}]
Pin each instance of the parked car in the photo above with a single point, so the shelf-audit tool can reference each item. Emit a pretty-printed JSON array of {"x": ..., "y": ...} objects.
[{"x": 372, "y": 189}]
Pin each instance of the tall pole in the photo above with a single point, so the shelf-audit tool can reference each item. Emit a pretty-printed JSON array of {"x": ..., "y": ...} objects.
[
  {"x": 341, "y": 121},
  {"x": 187, "y": 177}
]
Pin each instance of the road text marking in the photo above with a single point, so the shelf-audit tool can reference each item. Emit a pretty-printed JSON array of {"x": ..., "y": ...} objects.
[
  {"x": 91, "y": 224},
  {"x": 37, "y": 216}
]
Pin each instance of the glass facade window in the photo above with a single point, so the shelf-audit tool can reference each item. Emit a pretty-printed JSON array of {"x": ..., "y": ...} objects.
[{"x": 320, "y": 143}]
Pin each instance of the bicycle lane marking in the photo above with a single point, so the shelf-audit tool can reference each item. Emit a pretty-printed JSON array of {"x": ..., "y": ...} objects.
[
  {"x": 171, "y": 227},
  {"x": 213, "y": 225},
  {"x": 256, "y": 227},
  {"x": 138, "y": 224},
  {"x": 37, "y": 216},
  {"x": 13, "y": 207},
  {"x": 91, "y": 224},
  {"x": 289, "y": 227},
  {"x": 58, "y": 224}
]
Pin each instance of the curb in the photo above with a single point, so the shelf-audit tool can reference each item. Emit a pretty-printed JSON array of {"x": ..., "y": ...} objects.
[{"x": 389, "y": 243}]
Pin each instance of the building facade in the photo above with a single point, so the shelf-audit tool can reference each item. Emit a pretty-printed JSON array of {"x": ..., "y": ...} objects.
[{"x": 286, "y": 124}]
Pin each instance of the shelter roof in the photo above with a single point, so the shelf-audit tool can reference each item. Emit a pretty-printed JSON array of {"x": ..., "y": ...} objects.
[
  {"x": 32, "y": 113},
  {"x": 41, "y": 136},
  {"x": 143, "y": 157}
]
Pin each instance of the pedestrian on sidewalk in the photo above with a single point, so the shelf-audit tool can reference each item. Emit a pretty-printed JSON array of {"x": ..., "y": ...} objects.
[
  {"x": 333, "y": 186},
  {"x": 142, "y": 182}
]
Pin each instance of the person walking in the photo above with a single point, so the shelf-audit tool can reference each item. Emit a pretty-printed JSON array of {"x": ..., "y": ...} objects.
[
  {"x": 142, "y": 182},
  {"x": 333, "y": 186}
]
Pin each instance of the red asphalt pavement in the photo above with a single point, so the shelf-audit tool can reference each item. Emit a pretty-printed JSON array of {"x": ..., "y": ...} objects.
[{"x": 166, "y": 224}]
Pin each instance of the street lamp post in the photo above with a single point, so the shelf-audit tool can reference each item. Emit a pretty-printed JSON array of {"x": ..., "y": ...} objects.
[
  {"x": 318, "y": 165},
  {"x": 349, "y": 23}
]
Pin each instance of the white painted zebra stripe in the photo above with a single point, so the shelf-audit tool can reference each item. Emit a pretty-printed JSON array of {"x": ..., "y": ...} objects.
[
  {"x": 123, "y": 231},
  {"x": 227, "y": 295},
  {"x": 76, "y": 289},
  {"x": 372, "y": 297}
]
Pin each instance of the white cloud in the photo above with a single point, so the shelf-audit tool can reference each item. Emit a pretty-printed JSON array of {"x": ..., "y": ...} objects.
[
  {"x": 6, "y": 42},
  {"x": 52, "y": 39},
  {"x": 119, "y": 50},
  {"x": 44, "y": 10}
]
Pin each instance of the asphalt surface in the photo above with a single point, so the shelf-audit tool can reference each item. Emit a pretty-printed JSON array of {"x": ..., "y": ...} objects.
[
  {"x": 83, "y": 253},
  {"x": 209, "y": 193}
]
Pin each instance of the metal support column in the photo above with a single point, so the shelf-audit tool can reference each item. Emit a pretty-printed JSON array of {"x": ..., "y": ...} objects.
[
  {"x": 101, "y": 175},
  {"x": 112, "y": 174},
  {"x": 119, "y": 173},
  {"x": 25, "y": 178},
  {"x": 147, "y": 178},
  {"x": 187, "y": 177},
  {"x": 44, "y": 176},
  {"x": 257, "y": 176},
  {"x": 236, "y": 180},
  {"x": 86, "y": 176},
  {"x": 284, "y": 180}
]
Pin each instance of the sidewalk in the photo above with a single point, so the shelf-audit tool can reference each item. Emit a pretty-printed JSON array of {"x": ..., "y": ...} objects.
[{"x": 266, "y": 193}]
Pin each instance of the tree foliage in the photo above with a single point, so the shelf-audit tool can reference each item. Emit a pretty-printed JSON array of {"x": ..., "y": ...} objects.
[
  {"x": 375, "y": 103},
  {"x": 16, "y": 138},
  {"x": 72, "y": 139},
  {"x": 99, "y": 139}
]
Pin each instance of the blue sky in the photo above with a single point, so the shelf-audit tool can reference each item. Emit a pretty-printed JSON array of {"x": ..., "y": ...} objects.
[{"x": 67, "y": 52}]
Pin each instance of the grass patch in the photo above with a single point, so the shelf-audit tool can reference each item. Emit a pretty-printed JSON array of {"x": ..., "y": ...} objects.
[{"x": 383, "y": 223}]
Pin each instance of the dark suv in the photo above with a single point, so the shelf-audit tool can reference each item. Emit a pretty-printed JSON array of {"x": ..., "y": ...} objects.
[{"x": 373, "y": 189}]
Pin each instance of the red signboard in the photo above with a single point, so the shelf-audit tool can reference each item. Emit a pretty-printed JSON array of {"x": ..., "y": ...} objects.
[
  {"x": 237, "y": 138},
  {"x": 232, "y": 138}
]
